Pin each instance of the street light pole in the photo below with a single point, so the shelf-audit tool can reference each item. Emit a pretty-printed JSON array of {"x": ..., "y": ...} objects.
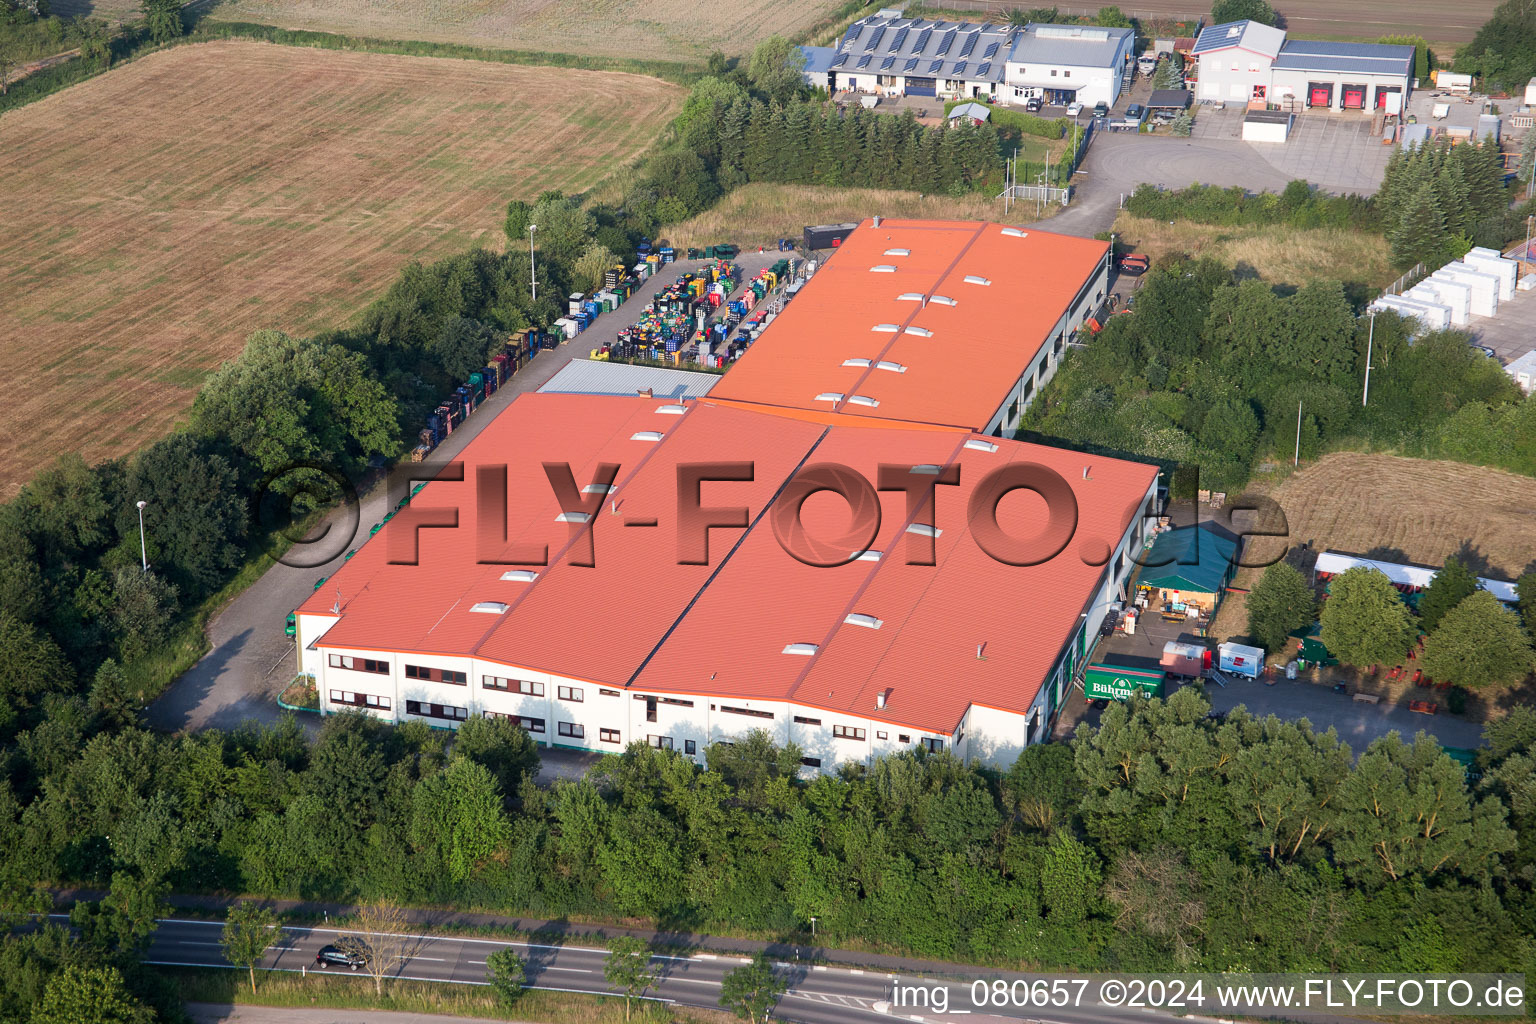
[
  {"x": 143, "y": 550},
  {"x": 1297, "y": 460},
  {"x": 533, "y": 277},
  {"x": 1370, "y": 339}
]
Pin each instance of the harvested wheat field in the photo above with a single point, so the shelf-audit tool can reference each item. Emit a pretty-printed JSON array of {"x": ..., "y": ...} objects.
[
  {"x": 643, "y": 29},
  {"x": 761, "y": 214},
  {"x": 1282, "y": 255},
  {"x": 159, "y": 213},
  {"x": 1412, "y": 510}
]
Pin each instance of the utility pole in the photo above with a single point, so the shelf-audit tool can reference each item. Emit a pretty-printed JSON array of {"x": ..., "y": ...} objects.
[
  {"x": 1370, "y": 338},
  {"x": 1297, "y": 460},
  {"x": 533, "y": 277},
  {"x": 143, "y": 551}
]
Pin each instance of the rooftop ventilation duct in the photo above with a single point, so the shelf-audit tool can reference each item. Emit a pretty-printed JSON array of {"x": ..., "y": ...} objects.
[
  {"x": 806, "y": 649},
  {"x": 885, "y": 328},
  {"x": 882, "y": 268},
  {"x": 598, "y": 489},
  {"x": 860, "y": 619},
  {"x": 886, "y": 364},
  {"x": 830, "y": 396},
  {"x": 672, "y": 410},
  {"x": 856, "y": 362},
  {"x": 864, "y": 400},
  {"x": 976, "y": 279},
  {"x": 867, "y": 556},
  {"x": 573, "y": 517},
  {"x": 910, "y": 297},
  {"x": 924, "y": 530},
  {"x": 921, "y": 332},
  {"x": 944, "y": 300},
  {"x": 646, "y": 435},
  {"x": 520, "y": 576},
  {"x": 490, "y": 608},
  {"x": 926, "y": 469},
  {"x": 898, "y": 252},
  {"x": 1015, "y": 233},
  {"x": 977, "y": 444}
]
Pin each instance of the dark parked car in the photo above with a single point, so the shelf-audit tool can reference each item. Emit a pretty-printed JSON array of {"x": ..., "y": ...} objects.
[
  {"x": 1033, "y": 104},
  {"x": 1100, "y": 111},
  {"x": 349, "y": 956}
]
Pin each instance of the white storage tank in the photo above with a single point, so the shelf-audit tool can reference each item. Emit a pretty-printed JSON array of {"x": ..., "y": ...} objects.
[
  {"x": 1487, "y": 261},
  {"x": 1432, "y": 316},
  {"x": 1454, "y": 294},
  {"x": 1485, "y": 287}
]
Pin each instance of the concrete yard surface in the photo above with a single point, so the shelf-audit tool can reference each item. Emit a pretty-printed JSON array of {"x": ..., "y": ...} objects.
[
  {"x": 1335, "y": 152},
  {"x": 1512, "y": 333},
  {"x": 1358, "y": 724}
]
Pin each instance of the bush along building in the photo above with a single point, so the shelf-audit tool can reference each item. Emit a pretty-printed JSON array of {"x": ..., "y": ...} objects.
[{"x": 835, "y": 558}]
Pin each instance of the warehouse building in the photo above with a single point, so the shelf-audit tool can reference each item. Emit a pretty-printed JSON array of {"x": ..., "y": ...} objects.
[
  {"x": 1342, "y": 76},
  {"x": 1071, "y": 63},
  {"x": 938, "y": 323},
  {"x": 890, "y": 55},
  {"x": 848, "y": 592},
  {"x": 632, "y": 631},
  {"x": 1246, "y": 62}
]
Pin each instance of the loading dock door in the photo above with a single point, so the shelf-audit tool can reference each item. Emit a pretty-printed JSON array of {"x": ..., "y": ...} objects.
[
  {"x": 1354, "y": 97},
  {"x": 1382, "y": 91},
  {"x": 1319, "y": 95},
  {"x": 922, "y": 86}
]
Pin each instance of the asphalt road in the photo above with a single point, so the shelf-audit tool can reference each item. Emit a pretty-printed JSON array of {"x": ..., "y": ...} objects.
[
  {"x": 1119, "y": 161},
  {"x": 814, "y": 994},
  {"x": 250, "y": 661}
]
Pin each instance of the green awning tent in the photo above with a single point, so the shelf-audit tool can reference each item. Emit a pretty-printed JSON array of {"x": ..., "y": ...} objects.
[{"x": 1189, "y": 558}]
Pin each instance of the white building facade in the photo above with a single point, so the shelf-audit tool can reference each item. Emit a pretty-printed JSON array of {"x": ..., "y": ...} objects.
[
  {"x": 1069, "y": 63},
  {"x": 444, "y": 691}
]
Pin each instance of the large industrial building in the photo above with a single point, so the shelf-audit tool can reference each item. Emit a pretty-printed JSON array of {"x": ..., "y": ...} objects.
[
  {"x": 888, "y": 54},
  {"x": 835, "y": 579},
  {"x": 1246, "y": 62}
]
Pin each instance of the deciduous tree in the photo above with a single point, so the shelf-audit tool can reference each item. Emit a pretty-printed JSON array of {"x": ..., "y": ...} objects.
[
  {"x": 1453, "y": 584},
  {"x": 249, "y": 931},
  {"x": 1479, "y": 643},
  {"x": 628, "y": 968},
  {"x": 507, "y": 973},
  {"x": 1365, "y": 621},
  {"x": 1281, "y": 603},
  {"x": 752, "y": 990}
]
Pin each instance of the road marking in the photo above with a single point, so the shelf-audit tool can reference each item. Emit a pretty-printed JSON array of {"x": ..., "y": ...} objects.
[
  {"x": 570, "y": 970},
  {"x": 705, "y": 956},
  {"x": 194, "y": 942}
]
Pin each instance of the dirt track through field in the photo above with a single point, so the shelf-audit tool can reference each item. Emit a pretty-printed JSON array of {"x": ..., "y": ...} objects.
[{"x": 158, "y": 214}]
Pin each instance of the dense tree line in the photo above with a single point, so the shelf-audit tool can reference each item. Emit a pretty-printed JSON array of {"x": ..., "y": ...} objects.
[
  {"x": 1436, "y": 201},
  {"x": 1504, "y": 50},
  {"x": 1161, "y": 838},
  {"x": 1211, "y": 366}
]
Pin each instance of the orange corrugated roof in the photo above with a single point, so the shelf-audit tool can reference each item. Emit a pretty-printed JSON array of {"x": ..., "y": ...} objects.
[
  {"x": 638, "y": 618},
  {"x": 961, "y": 370},
  {"x": 932, "y": 617}
]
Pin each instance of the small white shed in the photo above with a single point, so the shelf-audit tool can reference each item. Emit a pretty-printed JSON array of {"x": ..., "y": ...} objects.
[{"x": 1267, "y": 126}]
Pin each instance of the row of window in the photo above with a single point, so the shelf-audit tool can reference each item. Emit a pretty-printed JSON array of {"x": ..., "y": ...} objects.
[
  {"x": 359, "y": 664},
  {"x": 436, "y": 675},
  {"x": 573, "y": 730}
]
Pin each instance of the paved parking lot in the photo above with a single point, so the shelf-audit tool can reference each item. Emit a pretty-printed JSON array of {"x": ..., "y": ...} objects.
[
  {"x": 1512, "y": 333},
  {"x": 1336, "y": 152}
]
